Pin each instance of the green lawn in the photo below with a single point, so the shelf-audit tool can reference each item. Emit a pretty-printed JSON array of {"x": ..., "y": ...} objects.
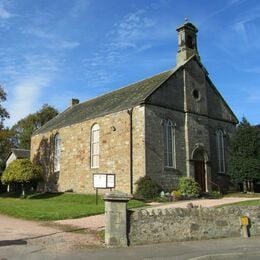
[
  {"x": 242, "y": 195},
  {"x": 243, "y": 203},
  {"x": 55, "y": 206}
]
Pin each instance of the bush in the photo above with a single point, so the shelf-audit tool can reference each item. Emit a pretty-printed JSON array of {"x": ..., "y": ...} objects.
[
  {"x": 22, "y": 171},
  {"x": 147, "y": 188},
  {"x": 215, "y": 194},
  {"x": 176, "y": 195},
  {"x": 188, "y": 187}
]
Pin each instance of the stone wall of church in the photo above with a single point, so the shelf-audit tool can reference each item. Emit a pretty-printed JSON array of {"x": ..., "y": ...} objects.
[
  {"x": 154, "y": 120},
  {"x": 228, "y": 129},
  {"x": 189, "y": 100},
  {"x": 75, "y": 171}
]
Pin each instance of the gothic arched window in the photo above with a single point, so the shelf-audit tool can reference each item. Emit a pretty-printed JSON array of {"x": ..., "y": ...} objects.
[
  {"x": 57, "y": 152},
  {"x": 169, "y": 144},
  {"x": 95, "y": 146},
  {"x": 221, "y": 151}
]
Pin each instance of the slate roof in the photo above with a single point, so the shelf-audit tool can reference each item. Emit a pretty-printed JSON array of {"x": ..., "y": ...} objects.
[
  {"x": 112, "y": 102},
  {"x": 20, "y": 153},
  {"x": 118, "y": 100}
]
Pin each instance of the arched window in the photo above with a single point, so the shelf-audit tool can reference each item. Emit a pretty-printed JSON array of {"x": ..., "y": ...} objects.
[
  {"x": 95, "y": 146},
  {"x": 169, "y": 144},
  {"x": 57, "y": 152},
  {"x": 221, "y": 151}
]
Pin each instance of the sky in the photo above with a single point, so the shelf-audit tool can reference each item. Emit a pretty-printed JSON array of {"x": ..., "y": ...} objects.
[{"x": 55, "y": 50}]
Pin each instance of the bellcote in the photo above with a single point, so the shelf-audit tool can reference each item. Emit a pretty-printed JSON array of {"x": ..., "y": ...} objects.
[{"x": 187, "y": 42}]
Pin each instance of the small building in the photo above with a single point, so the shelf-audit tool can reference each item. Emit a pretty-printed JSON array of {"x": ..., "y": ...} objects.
[
  {"x": 17, "y": 154},
  {"x": 172, "y": 124}
]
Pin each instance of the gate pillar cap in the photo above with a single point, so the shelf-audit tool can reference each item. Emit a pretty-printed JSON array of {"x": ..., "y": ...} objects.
[{"x": 117, "y": 196}]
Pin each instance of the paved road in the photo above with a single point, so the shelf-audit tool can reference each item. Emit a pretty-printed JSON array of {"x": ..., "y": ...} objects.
[{"x": 232, "y": 248}]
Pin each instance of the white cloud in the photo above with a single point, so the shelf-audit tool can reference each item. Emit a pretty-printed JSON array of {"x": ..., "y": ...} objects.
[
  {"x": 68, "y": 44},
  {"x": 24, "y": 97},
  {"x": 24, "y": 83},
  {"x": 133, "y": 28},
  {"x": 136, "y": 32},
  {"x": 252, "y": 95},
  {"x": 4, "y": 14},
  {"x": 51, "y": 40},
  {"x": 79, "y": 7}
]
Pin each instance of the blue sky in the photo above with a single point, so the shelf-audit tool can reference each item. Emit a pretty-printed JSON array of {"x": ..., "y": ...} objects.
[{"x": 51, "y": 51}]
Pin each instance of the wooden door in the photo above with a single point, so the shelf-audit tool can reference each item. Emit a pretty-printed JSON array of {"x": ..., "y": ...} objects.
[{"x": 199, "y": 174}]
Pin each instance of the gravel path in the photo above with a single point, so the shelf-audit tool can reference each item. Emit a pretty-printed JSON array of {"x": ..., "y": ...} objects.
[{"x": 44, "y": 235}]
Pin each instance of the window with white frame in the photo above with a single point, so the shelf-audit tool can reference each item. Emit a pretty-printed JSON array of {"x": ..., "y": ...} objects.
[
  {"x": 169, "y": 144},
  {"x": 221, "y": 151},
  {"x": 57, "y": 152},
  {"x": 95, "y": 146}
]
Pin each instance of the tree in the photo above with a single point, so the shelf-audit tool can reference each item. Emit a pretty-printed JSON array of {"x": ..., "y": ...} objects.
[
  {"x": 244, "y": 166},
  {"x": 5, "y": 134},
  {"x": 22, "y": 171},
  {"x": 5, "y": 145},
  {"x": 3, "y": 113},
  {"x": 24, "y": 128}
]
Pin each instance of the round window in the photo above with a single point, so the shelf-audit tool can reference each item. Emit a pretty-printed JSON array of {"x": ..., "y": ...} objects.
[{"x": 196, "y": 94}]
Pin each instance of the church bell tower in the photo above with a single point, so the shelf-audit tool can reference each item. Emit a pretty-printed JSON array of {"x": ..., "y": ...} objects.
[{"x": 187, "y": 42}]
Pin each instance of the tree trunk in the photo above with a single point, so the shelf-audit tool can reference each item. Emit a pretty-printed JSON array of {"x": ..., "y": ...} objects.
[
  {"x": 23, "y": 191},
  {"x": 244, "y": 186}
]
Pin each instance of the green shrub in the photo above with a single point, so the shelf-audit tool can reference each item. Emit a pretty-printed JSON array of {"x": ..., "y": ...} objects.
[
  {"x": 176, "y": 194},
  {"x": 188, "y": 187},
  {"x": 215, "y": 194},
  {"x": 147, "y": 188},
  {"x": 22, "y": 171}
]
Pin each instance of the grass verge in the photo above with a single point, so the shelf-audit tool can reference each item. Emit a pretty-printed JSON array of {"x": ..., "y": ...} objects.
[
  {"x": 242, "y": 203},
  {"x": 242, "y": 195},
  {"x": 49, "y": 206}
]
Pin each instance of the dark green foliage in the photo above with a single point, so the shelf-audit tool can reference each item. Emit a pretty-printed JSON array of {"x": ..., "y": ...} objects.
[
  {"x": 24, "y": 128},
  {"x": 147, "y": 188},
  {"x": 3, "y": 113},
  {"x": 215, "y": 195},
  {"x": 188, "y": 187},
  {"x": 5, "y": 143},
  {"x": 244, "y": 165},
  {"x": 21, "y": 171},
  {"x": 5, "y": 146}
]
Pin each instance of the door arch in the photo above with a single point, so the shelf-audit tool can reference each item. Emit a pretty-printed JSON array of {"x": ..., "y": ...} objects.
[{"x": 199, "y": 158}]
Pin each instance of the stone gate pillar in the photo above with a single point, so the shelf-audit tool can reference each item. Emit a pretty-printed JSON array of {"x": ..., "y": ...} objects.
[{"x": 116, "y": 218}]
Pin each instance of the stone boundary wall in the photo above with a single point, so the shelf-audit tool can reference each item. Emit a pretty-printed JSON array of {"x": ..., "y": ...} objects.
[{"x": 148, "y": 226}]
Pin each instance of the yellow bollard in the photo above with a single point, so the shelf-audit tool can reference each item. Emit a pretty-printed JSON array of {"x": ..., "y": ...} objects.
[{"x": 244, "y": 222}]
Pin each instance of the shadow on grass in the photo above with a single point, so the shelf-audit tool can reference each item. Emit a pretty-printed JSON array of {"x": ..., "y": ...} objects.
[
  {"x": 46, "y": 195},
  {"x": 36, "y": 196}
]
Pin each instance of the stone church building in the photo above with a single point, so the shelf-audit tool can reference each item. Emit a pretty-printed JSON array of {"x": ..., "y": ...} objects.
[{"x": 172, "y": 124}]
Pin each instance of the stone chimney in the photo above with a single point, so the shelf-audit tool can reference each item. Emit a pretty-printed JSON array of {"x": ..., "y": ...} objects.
[
  {"x": 74, "y": 101},
  {"x": 187, "y": 42}
]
